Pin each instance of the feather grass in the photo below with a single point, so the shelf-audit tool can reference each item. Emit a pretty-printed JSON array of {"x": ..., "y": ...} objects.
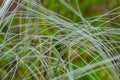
[{"x": 49, "y": 46}]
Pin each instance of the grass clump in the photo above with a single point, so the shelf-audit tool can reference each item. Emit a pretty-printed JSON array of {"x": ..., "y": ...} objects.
[{"x": 37, "y": 43}]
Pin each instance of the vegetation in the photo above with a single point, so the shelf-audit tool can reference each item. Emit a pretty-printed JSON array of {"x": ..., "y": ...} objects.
[{"x": 60, "y": 40}]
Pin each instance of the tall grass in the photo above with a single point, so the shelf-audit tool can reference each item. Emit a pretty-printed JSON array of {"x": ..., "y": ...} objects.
[{"x": 39, "y": 44}]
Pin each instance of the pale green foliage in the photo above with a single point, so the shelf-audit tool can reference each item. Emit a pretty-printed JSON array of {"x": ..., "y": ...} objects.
[{"x": 40, "y": 44}]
